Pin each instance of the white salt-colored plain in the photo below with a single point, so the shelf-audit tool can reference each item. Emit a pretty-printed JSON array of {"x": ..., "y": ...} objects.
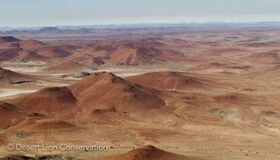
[{"x": 13, "y": 92}]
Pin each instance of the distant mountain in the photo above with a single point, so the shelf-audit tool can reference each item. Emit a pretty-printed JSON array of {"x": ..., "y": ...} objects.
[
  {"x": 5, "y": 29},
  {"x": 195, "y": 25},
  {"x": 49, "y": 29}
]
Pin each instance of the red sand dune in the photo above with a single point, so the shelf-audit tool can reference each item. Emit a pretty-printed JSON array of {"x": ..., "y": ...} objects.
[
  {"x": 10, "y": 115},
  {"x": 8, "y": 39},
  {"x": 8, "y": 73},
  {"x": 124, "y": 55},
  {"x": 139, "y": 52},
  {"x": 44, "y": 123},
  {"x": 19, "y": 50},
  {"x": 98, "y": 94},
  {"x": 149, "y": 153},
  {"x": 28, "y": 55},
  {"x": 30, "y": 50},
  {"x": 31, "y": 44},
  {"x": 121, "y": 53},
  {"x": 84, "y": 59},
  {"x": 8, "y": 53},
  {"x": 53, "y": 52},
  {"x": 168, "y": 81},
  {"x": 49, "y": 101},
  {"x": 107, "y": 90},
  {"x": 10, "y": 77},
  {"x": 106, "y": 95}
]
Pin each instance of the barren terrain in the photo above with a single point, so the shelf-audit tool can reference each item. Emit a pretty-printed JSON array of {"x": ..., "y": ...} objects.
[{"x": 191, "y": 93}]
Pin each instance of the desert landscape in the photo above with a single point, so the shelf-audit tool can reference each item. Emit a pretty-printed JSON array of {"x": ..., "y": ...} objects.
[{"x": 153, "y": 93}]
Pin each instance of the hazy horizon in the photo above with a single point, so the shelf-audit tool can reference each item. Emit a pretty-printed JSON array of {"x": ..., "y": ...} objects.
[
  {"x": 132, "y": 25},
  {"x": 32, "y": 13}
]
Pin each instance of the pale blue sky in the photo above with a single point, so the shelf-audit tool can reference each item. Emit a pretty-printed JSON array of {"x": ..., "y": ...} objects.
[{"x": 17, "y": 13}]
